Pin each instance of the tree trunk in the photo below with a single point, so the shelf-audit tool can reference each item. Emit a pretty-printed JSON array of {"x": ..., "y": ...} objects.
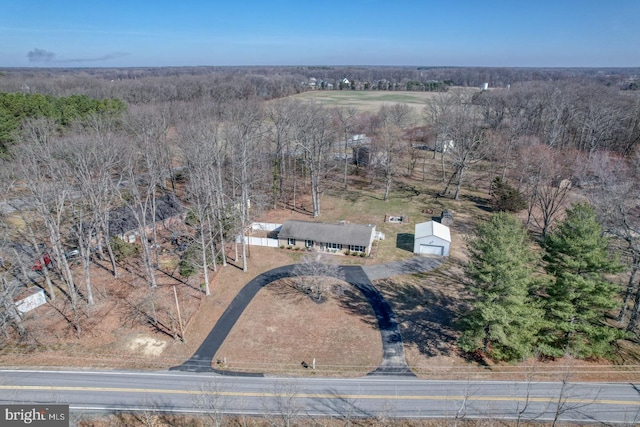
[
  {"x": 635, "y": 313},
  {"x": 112, "y": 258},
  {"x": 205, "y": 267},
  {"x": 631, "y": 284},
  {"x": 86, "y": 272},
  {"x": 458, "y": 184},
  {"x": 10, "y": 308}
]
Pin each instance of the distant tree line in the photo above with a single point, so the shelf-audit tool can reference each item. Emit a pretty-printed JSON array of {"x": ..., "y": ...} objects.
[
  {"x": 579, "y": 115},
  {"x": 165, "y": 84}
]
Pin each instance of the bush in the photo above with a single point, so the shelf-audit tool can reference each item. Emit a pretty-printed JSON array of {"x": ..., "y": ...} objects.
[
  {"x": 187, "y": 268},
  {"x": 122, "y": 249},
  {"x": 189, "y": 261},
  {"x": 507, "y": 198}
]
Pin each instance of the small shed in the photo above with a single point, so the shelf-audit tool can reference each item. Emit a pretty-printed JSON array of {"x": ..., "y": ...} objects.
[
  {"x": 446, "y": 218},
  {"x": 29, "y": 299},
  {"x": 432, "y": 238}
]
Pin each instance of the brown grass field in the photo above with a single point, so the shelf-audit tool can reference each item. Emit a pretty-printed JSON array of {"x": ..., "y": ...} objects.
[{"x": 371, "y": 101}]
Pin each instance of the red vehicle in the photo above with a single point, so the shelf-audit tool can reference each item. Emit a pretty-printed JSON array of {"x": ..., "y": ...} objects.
[{"x": 38, "y": 264}]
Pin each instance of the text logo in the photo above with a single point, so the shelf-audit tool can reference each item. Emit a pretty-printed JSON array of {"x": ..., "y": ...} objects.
[{"x": 34, "y": 415}]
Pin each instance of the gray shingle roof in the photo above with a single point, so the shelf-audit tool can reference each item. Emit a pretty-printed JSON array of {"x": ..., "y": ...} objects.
[
  {"x": 122, "y": 220},
  {"x": 346, "y": 234}
]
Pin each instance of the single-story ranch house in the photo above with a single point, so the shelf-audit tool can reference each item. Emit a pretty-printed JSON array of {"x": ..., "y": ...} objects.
[{"x": 327, "y": 237}]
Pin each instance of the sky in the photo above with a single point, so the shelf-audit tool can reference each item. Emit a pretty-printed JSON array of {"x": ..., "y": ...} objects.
[{"x": 491, "y": 33}]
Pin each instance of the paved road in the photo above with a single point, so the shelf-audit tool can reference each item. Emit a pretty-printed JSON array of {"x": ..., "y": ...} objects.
[
  {"x": 393, "y": 361},
  {"x": 381, "y": 397}
]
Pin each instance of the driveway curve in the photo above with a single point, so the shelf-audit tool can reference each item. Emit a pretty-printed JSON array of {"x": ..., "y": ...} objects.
[{"x": 393, "y": 360}]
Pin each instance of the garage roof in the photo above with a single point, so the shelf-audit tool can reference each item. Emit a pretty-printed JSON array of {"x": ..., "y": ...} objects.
[{"x": 432, "y": 228}]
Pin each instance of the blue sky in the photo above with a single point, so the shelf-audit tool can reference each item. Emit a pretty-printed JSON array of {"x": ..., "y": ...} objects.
[{"x": 116, "y": 33}]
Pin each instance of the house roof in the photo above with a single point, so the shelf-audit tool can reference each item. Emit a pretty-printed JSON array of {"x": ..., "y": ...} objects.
[
  {"x": 432, "y": 228},
  {"x": 122, "y": 219},
  {"x": 346, "y": 234}
]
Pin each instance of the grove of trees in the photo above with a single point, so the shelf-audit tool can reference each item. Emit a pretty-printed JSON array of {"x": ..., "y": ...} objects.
[{"x": 517, "y": 311}]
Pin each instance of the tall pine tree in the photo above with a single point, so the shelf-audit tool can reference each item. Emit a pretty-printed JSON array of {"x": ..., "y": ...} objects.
[
  {"x": 579, "y": 296},
  {"x": 503, "y": 319}
]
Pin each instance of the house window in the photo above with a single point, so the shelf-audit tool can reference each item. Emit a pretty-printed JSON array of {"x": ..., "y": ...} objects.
[
  {"x": 334, "y": 245},
  {"x": 308, "y": 243},
  {"x": 291, "y": 242},
  {"x": 356, "y": 248}
]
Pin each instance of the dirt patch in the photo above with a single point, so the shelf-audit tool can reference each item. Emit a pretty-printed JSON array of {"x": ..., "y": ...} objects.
[{"x": 146, "y": 345}]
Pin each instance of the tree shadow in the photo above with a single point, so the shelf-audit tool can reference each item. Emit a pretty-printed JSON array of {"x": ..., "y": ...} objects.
[
  {"x": 405, "y": 241},
  {"x": 426, "y": 317},
  {"x": 410, "y": 191},
  {"x": 177, "y": 279},
  {"x": 356, "y": 303},
  {"x": 481, "y": 203},
  {"x": 286, "y": 289}
]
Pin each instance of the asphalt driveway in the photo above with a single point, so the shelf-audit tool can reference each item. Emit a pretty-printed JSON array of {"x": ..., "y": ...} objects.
[{"x": 393, "y": 360}]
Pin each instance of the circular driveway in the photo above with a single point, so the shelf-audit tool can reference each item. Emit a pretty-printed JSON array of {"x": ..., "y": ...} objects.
[{"x": 393, "y": 360}]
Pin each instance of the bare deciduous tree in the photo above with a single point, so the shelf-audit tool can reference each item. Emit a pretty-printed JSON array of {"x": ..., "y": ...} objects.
[
  {"x": 285, "y": 400},
  {"x": 144, "y": 170},
  {"x": 96, "y": 162},
  {"x": 212, "y": 401},
  {"x": 314, "y": 139},
  {"x": 317, "y": 275},
  {"x": 243, "y": 132},
  {"x": 610, "y": 181},
  {"x": 389, "y": 147},
  {"x": 467, "y": 144},
  {"x": 346, "y": 118},
  {"x": 281, "y": 115},
  {"x": 544, "y": 175},
  {"x": 42, "y": 169},
  {"x": 201, "y": 145}
]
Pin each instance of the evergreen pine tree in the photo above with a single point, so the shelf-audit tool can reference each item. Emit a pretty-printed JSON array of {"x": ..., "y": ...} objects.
[
  {"x": 579, "y": 296},
  {"x": 503, "y": 319}
]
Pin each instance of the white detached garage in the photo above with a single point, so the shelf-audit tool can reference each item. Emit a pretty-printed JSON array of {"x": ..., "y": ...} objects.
[{"x": 432, "y": 238}]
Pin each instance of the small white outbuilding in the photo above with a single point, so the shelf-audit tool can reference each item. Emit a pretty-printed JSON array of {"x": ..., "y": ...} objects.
[{"x": 432, "y": 238}]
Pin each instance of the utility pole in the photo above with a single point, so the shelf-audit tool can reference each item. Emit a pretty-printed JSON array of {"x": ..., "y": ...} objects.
[{"x": 175, "y": 294}]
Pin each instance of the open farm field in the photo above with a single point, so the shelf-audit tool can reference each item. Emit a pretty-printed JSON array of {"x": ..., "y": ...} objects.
[{"x": 371, "y": 101}]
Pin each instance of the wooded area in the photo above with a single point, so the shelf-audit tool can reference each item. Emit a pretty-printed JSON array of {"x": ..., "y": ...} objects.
[{"x": 215, "y": 147}]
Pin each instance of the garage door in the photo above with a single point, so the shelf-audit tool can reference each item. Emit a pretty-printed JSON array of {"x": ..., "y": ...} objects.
[{"x": 431, "y": 250}]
